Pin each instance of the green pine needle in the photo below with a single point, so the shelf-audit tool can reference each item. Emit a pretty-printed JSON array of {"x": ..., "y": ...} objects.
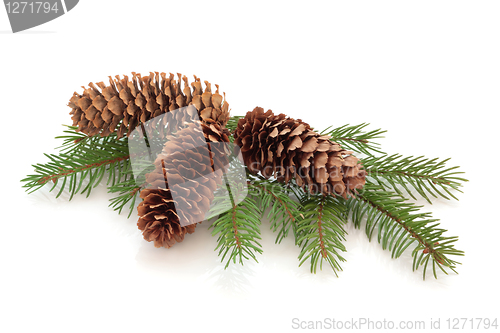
[
  {"x": 232, "y": 123},
  {"x": 283, "y": 211},
  {"x": 316, "y": 221},
  {"x": 238, "y": 229},
  {"x": 428, "y": 177},
  {"x": 355, "y": 138},
  {"x": 321, "y": 231},
  {"x": 128, "y": 191},
  {"x": 81, "y": 164},
  {"x": 399, "y": 224}
]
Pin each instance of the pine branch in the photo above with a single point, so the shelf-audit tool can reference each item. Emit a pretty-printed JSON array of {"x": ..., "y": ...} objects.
[
  {"x": 128, "y": 191},
  {"x": 321, "y": 231},
  {"x": 426, "y": 176},
  {"x": 283, "y": 213},
  {"x": 130, "y": 186},
  {"x": 232, "y": 123},
  {"x": 399, "y": 224},
  {"x": 73, "y": 140},
  {"x": 355, "y": 138},
  {"x": 237, "y": 229},
  {"x": 82, "y": 159}
]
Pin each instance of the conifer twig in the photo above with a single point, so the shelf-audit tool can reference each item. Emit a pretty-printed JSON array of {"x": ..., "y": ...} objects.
[
  {"x": 81, "y": 159},
  {"x": 354, "y": 137},
  {"x": 128, "y": 191},
  {"x": 321, "y": 231},
  {"x": 283, "y": 213},
  {"x": 237, "y": 228},
  {"x": 425, "y": 176},
  {"x": 232, "y": 123},
  {"x": 399, "y": 224}
]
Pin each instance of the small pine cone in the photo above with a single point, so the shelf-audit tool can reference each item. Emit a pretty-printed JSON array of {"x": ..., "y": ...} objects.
[
  {"x": 125, "y": 103},
  {"x": 192, "y": 165},
  {"x": 285, "y": 148}
]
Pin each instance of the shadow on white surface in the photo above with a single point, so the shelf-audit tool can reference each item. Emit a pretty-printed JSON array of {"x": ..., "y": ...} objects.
[{"x": 194, "y": 260}]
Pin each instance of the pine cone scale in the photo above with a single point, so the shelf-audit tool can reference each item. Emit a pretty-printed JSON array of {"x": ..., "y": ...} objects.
[
  {"x": 275, "y": 145},
  {"x": 184, "y": 170},
  {"x": 126, "y": 102}
]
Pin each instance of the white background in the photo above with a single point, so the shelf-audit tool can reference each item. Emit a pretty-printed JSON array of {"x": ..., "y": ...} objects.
[{"x": 427, "y": 71}]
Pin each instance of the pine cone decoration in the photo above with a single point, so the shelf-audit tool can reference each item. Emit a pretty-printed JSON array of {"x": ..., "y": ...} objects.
[
  {"x": 191, "y": 164},
  {"x": 126, "y": 103},
  {"x": 279, "y": 146}
]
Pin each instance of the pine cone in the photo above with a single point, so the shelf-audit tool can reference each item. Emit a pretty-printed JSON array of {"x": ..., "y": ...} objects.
[
  {"x": 287, "y": 148},
  {"x": 190, "y": 164},
  {"x": 126, "y": 103}
]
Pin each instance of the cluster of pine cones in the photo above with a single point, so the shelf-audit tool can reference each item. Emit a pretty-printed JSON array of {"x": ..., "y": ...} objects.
[{"x": 272, "y": 145}]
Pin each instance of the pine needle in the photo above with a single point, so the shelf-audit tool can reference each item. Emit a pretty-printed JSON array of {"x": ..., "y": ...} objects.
[{"x": 399, "y": 224}]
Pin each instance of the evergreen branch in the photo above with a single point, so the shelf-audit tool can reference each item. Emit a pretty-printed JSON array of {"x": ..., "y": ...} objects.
[
  {"x": 82, "y": 159},
  {"x": 399, "y": 224},
  {"x": 233, "y": 123},
  {"x": 426, "y": 176},
  {"x": 73, "y": 139},
  {"x": 321, "y": 231},
  {"x": 237, "y": 229},
  {"x": 64, "y": 172},
  {"x": 129, "y": 187},
  {"x": 355, "y": 138},
  {"x": 128, "y": 190},
  {"x": 283, "y": 213}
]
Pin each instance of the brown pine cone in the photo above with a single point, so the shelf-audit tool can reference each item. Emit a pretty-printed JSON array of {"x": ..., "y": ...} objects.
[
  {"x": 279, "y": 146},
  {"x": 125, "y": 103},
  {"x": 189, "y": 165}
]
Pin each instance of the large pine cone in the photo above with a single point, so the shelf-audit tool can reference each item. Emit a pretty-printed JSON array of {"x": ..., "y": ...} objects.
[
  {"x": 126, "y": 103},
  {"x": 198, "y": 167},
  {"x": 279, "y": 146}
]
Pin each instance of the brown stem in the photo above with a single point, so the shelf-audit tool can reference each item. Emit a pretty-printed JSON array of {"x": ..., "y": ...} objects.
[
  {"x": 135, "y": 190},
  {"x": 321, "y": 242},
  {"x": 53, "y": 177},
  {"x": 421, "y": 241},
  {"x": 351, "y": 139},
  {"x": 235, "y": 227},
  {"x": 433, "y": 179},
  {"x": 280, "y": 201}
]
